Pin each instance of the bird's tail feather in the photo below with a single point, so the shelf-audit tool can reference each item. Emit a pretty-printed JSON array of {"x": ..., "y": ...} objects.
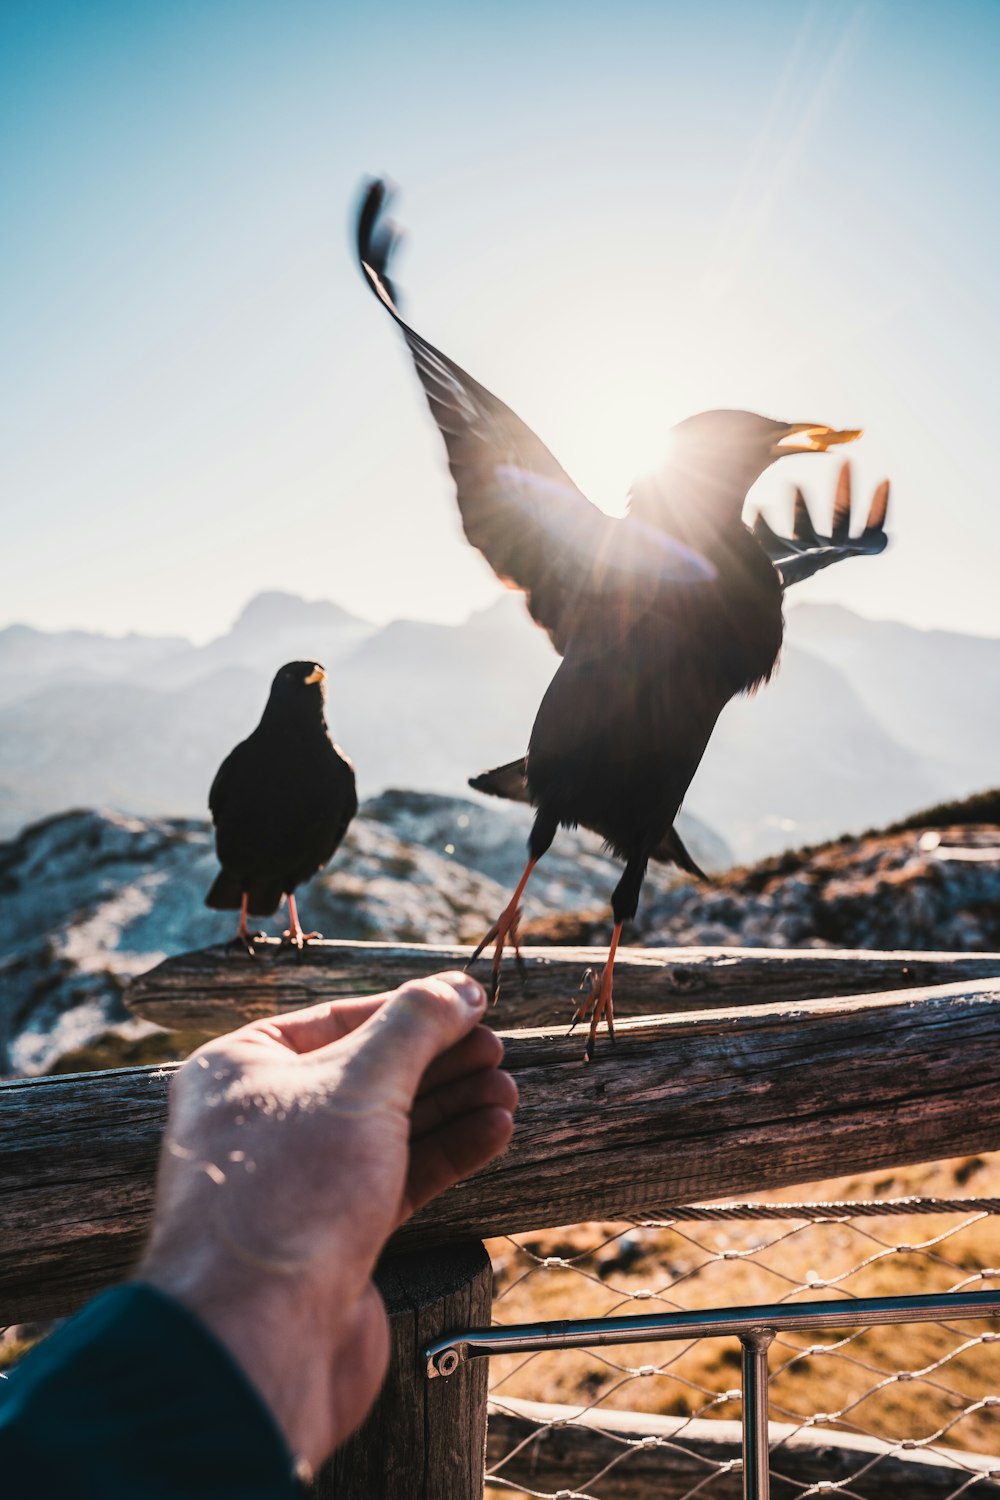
[
  {"x": 671, "y": 849},
  {"x": 265, "y": 898},
  {"x": 226, "y": 893},
  {"x": 509, "y": 781}
]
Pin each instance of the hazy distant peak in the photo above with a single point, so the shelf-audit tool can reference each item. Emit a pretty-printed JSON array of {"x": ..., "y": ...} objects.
[
  {"x": 507, "y": 607},
  {"x": 830, "y": 615},
  {"x": 20, "y": 634},
  {"x": 275, "y": 610},
  {"x": 836, "y": 620}
]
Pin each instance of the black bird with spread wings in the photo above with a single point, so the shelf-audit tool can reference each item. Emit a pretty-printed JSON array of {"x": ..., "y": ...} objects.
[
  {"x": 281, "y": 802},
  {"x": 660, "y": 617}
]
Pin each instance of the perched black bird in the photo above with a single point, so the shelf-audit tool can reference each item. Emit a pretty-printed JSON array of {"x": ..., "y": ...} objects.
[
  {"x": 660, "y": 617},
  {"x": 281, "y": 803}
]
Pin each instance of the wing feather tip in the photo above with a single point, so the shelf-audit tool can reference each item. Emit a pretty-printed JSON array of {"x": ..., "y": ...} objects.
[{"x": 377, "y": 238}]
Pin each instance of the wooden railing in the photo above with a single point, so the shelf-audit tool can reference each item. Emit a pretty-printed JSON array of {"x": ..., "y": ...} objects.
[{"x": 742, "y": 1071}]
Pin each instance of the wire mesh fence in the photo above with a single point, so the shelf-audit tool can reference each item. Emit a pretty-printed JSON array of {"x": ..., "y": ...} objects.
[{"x": 907, "y": 1410}]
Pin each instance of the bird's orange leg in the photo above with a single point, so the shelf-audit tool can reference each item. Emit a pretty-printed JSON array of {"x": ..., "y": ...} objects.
[
  {"x": 599, "y": 1004},
  {"x": 244, "y": 937},
  {"x": 505, "y": 927},
  {"x": 294, "y": 936}
]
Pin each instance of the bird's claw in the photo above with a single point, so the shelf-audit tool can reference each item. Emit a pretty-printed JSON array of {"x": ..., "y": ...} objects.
[
  {"x": 598, "y": 1006},
  {"x": 491, "y": 936},
  {"x": 297, "y": 939},
  {"x": 505, "y": 929},
  {"x": 487, "y": 940},
  {"x": 245, "y": 942},
  {"x": 593, "y": 979},
  {"x": 589, "y": 1049}
]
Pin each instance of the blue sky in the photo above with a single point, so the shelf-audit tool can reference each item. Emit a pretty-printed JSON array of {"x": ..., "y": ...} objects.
[{"x": 617, "y": 215}]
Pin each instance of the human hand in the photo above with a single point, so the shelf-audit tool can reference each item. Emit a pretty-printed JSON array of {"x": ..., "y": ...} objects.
[{"x": 294, "y": 1147}]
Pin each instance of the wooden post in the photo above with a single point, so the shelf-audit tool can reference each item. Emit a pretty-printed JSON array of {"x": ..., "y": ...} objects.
[{"x": 425, "y": 1439}]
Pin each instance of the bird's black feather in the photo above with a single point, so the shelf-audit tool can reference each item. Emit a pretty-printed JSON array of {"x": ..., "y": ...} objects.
[
  {"x": 518, "y": 505},
  {"x": 805, "y": 552},
  {"x": 672, "y": 850},
  {"x": 509, "y": 781}
]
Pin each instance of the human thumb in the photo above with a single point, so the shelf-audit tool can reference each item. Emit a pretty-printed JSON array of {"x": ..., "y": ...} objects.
[{"x": 419, "y": 1021}]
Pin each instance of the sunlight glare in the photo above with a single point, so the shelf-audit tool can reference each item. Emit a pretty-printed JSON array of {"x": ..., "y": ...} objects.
[{"x": 606, "y": 457}]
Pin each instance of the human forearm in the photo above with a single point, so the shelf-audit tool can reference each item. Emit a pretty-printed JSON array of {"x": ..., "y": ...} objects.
[{"x": 134, "y": 1396}]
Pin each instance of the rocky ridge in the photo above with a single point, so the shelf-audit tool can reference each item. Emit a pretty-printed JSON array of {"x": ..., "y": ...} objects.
[
  {"x": 90, "y": 899},
  {"x": 929, "y": 889}
]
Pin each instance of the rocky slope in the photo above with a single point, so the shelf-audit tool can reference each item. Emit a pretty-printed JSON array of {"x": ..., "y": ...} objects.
[
  {"x": 87, "y": 899},
  {"x": 931, "y": 882},
  {"x": 930, "y": 889}
]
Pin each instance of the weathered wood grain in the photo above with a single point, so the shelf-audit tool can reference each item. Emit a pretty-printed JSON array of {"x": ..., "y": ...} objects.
[
  {"x": 565, "y": 1457},
  {"x": 418, "y": 1441},
  {"x": 685, "y": 1107},
  {"x": 77, "y": 1163},
  {"x": 214, "y": 989}
]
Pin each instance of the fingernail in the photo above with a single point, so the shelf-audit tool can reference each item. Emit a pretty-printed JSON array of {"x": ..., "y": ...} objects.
[{"x": 470, "y": 991}]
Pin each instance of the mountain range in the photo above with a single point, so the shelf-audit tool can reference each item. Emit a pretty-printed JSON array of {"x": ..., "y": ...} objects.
[{"x": 864, "y": 722}]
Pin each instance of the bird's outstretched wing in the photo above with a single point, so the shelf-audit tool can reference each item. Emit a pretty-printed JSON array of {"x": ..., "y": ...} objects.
[
  {"x": 518, "y": 505},
  {"x": 805, "y": 552}
]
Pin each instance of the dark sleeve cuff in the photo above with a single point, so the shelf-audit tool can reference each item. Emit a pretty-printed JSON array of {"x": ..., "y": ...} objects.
[{"x": 134, "y": 1396}]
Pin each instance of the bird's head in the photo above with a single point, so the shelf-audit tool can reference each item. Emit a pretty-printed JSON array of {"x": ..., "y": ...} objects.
[
  {"x": 298, "y": 688},
  {"x": 737, "y": 446},
  {"x": 715, "y": 457}
]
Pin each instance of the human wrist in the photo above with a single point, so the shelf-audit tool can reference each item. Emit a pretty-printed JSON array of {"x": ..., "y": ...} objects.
[{"x": 284, "y": 1340}]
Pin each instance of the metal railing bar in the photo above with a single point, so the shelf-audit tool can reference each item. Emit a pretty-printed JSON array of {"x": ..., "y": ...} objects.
[
  {"x": 756, "y": 1471},
  {"x": 444, "y": 1357}
]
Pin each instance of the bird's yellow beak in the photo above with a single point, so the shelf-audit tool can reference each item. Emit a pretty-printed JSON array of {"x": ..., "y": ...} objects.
[
  {"x": 812, "y": 437},
  {"x": 315, "y": 676}
]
